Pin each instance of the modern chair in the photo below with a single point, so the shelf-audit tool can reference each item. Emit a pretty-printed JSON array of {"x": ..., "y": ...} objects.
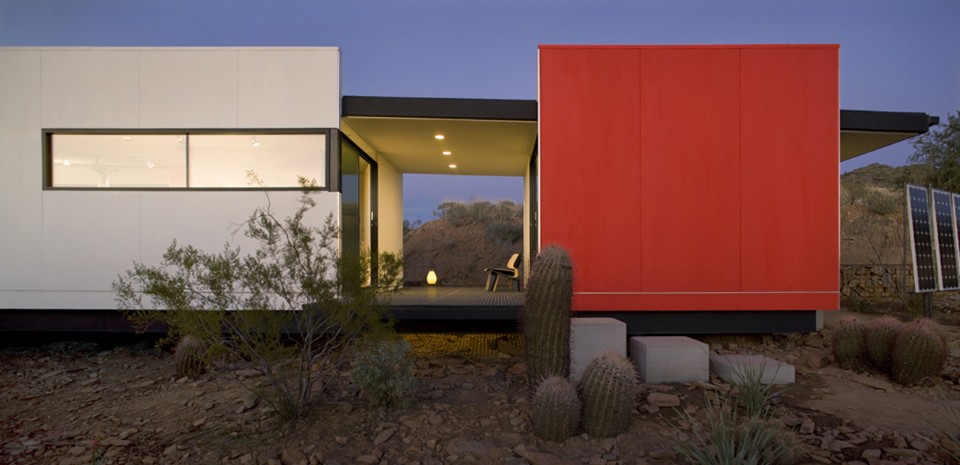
[{"x": 511, "y": 272}]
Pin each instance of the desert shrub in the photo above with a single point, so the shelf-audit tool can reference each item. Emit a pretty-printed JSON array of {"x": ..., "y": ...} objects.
[
  {"x": 292, "y": 308},
  {"x": 849, "y": 347},
  {"x": 752, "y": 394},
  {"x": 556, "y": 409},
  {"x": 727, "y": 437},
  {"x": 384, "y": 372},
  {"x": 503, "y": 221}
]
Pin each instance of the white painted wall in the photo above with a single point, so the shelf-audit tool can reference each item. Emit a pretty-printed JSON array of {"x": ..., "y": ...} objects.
[{"x": 63, "y": 249}]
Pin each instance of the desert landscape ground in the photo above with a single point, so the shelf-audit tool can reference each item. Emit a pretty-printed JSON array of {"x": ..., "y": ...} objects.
[{"x": 87, "y": 403}]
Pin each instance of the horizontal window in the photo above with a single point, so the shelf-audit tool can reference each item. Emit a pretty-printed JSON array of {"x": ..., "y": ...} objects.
[{"x": 184, "y": 160}]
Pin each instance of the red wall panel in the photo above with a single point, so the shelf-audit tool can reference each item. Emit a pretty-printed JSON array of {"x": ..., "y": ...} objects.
[
  {"x": 589, "y": 162},
  {"x": 690, "y": 169},
  {"x": 692, "y": 178},
  {"x": 790, "y": 165}
]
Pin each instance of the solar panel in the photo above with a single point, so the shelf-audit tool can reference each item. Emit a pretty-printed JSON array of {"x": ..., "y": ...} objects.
[
  {"x": 921, "y": 239},
  {"x": 956, "y": 228},
  {"x": 944, "y": 240}
]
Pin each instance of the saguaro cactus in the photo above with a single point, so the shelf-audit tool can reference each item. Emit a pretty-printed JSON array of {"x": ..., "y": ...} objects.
[
  {"x": 609, "y": 385},
  {"x": 546, "y": 316},
  {"x": 556, "y": 409}
]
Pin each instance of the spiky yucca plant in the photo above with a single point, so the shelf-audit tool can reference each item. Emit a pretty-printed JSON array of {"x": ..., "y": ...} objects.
[
  {"x": 849, "y": 347},
  {"x": 546, "y": 315},
  {"x": 879, "y": 340},
  {"x": 556, "y": 409},
  {"x": 608, "y": 385},
  {"x": 189, "y": 355},
  {"x": 919, "y": 352}
]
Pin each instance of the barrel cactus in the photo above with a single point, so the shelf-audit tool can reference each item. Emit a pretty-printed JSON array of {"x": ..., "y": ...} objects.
[
  {"x": 879, "y": 340},
  {"x": 546, "y": 315},
  {"x": 849, "y": 346},
  {"x": 556, "y": 409},
  {"x": 608, "y": 386},
  {"x": 189, "y": 355},
  {"x": 918, "y": 352}
]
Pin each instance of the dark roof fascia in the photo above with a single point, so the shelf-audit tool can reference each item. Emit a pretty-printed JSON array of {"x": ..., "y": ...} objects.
[
  {"x": 886, "y": 121},
  {"x": 440, "y": 108}
]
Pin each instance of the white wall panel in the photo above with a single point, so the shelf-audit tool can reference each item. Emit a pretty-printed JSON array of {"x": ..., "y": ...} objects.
[
  {"x": 390, "y": 200},
  {"x": 188, "y": 89},
  {"x": 90, "y": 88},
  {"x": 289, "y": 88},
  {"x": 88, "y": 238},
  {"x": 205, "y": 220},
  {"x": 20, "y": 169}
]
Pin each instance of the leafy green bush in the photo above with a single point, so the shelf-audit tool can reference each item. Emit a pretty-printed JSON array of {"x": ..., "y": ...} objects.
[
  {"x": 292, "y": 308},
  {"x": 384, "y": 372}
]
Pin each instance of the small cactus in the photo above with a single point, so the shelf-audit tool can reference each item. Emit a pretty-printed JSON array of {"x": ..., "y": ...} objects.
[
  {"x": 189, "y": 356},
  {"x": 918, "y": 352},
  {"x": 546, "y": 315},
  {"x": 879, "y": 340},
  {"x": 556, "y": 409},
  {"x": 849, "y": 347},
  {"x": 608, "y": 385}
]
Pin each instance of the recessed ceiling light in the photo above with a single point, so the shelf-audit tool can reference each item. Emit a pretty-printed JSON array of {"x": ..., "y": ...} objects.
[
  {"x": 452, "y": 166},
  {"x": 447, "y": 152},
  {"x": 66, "y": 163},
  {"x": 150, "y": 164},
  {"x": 439, "y": 137},
  {"x": 127, "y": 138}
]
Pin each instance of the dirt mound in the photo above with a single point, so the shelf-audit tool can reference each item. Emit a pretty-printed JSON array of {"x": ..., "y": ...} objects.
[{"x": 458, "y": 253}]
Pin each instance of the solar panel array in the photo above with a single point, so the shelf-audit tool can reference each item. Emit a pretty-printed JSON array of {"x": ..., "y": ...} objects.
[
  {"x": 924, "y": 270},
  {"x": 944, "y": 236}
]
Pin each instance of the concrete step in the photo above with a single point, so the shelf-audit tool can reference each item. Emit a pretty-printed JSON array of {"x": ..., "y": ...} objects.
[
  {"x": 670, "y": 359},
  {"x": 590, "y": 337},
  {"x": 736, "y": 369}
]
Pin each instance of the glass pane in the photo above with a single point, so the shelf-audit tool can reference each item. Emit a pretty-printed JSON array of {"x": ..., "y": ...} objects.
[
  {"x": 222, "y": 160},
  {"x": 119, "y": 160}
]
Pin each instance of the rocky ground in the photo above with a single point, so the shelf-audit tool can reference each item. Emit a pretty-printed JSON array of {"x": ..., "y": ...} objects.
[{"x": 83, "y": 403}]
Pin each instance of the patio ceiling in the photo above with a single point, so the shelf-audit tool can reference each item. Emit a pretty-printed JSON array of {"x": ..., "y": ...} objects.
[{"x": 483, "y": 137}]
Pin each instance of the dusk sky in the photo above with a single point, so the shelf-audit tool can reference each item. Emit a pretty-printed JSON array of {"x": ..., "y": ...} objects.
[{"x": 894, "y": 55}]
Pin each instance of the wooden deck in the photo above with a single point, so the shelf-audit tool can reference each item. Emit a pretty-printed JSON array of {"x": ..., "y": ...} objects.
[{"x": 456, "y": 303}]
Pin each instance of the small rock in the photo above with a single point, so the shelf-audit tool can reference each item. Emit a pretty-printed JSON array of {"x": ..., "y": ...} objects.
[
  {"x": 662, "y": 453},
  {"x": 342, "y": 440},
  {"x": 872, "y": 454},
  {"x": 367, "y": 459},
  {"x": 293, "y": 457},
  {"x": 246, "y": 459},
  {"x": 463, "y": 446},
  {"x": 659, "y": 399},
  {"x": 838, "y": 446},
  {"x": 543, "y": 458},
  {"x": 650, "y": 408},
  {"x": 807, "y": 426},
  {"x": 248, "y": 373},
  {"x": 384, "y": 436},
  {"x": 872, "y": 382},
  {"x": 518, "y": 369}
]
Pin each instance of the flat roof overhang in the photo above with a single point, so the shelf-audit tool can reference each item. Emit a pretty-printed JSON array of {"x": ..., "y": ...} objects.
[
  {"x": 484, "y": 137},
  {"x": 865, "y": 131},
  {"x": 496, "y": 137}
]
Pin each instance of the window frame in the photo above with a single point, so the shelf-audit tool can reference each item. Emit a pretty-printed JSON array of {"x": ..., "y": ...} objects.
[{"x": 328, "y": 183}]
